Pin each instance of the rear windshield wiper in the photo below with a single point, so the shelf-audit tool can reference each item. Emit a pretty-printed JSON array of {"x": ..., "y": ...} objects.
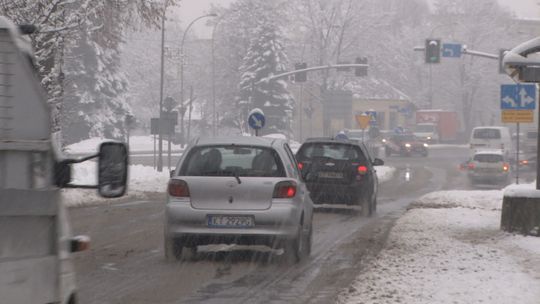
[{"x": 235, "y": 173}]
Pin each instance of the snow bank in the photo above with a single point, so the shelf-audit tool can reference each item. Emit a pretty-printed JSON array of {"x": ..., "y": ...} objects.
[
  {"x": 136, "y": 144},
  {"x": 142, "y": 181},
  {"x": 449, "y": 249},
  {"x": 385, "y": 173}
]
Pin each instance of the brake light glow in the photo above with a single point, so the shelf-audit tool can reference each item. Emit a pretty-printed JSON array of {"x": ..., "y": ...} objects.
[
  {"x": 178, "y": 188},
  {"x": 470, "y": 165},
  {"x": 362, "y": 170},
  {"x": 300, "y": 166},
  {"x": 506, "y": 167},
  {"x": 285, "y": 189}
]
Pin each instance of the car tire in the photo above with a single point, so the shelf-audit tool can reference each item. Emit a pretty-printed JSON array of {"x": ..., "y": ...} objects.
[
  {"x": 367, "y": 206},
  {"x": 173, "y": 250},
  {"x": 298, "y": 248}
]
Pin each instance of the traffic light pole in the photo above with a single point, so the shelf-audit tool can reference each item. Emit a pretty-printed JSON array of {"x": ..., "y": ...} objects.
[{"x": 316, "y": 68}]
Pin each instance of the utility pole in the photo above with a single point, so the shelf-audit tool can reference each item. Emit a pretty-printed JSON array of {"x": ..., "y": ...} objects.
[{"x": 160, "y": 142}]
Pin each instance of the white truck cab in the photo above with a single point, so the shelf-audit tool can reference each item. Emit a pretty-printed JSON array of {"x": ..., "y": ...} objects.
[
  {"x": 427, "y": 132},
  {"x": 35, "y": 237}
]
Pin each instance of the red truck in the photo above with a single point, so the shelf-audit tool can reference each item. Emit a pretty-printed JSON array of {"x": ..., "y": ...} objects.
[{"x": 446, "y": 121}]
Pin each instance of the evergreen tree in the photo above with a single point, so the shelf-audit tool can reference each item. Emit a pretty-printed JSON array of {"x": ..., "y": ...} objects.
[{"x": 266, "y": 57}]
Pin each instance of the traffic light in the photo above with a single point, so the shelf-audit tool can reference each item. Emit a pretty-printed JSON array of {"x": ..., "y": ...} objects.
[
  {"x": 361, "y": 71},
  {"x": 433, "y": 50},
  {"x": 301, "y": 76}
]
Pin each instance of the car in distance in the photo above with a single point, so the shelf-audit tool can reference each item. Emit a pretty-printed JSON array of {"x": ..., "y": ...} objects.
[
  {"x": 427, "y": 132},
  {"x": 238, "y": 190},
  {"x": 339, "y": 172},
  {"x": 405, "y": 145},
  {"x": 488, "y": 166}
]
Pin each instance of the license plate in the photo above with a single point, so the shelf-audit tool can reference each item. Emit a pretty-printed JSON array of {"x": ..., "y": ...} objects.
[
  {"x": 331, "y": 174},
  {"x": 230, "y": 221}
]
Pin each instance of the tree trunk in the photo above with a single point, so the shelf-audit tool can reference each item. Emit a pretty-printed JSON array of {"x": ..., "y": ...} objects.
[{"x": 521, "y": 214}]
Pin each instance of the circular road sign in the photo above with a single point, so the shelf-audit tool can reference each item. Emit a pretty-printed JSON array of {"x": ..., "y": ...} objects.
[{"x": 256, "y": 119}]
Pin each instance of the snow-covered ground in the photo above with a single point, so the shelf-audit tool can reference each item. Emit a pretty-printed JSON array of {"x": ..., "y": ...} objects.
[
  {"x": 448, "y": 248},
  {"x": 136, "y": 144}
]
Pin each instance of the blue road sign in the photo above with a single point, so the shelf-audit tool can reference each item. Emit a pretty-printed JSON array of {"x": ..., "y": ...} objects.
[
  {"x": 256, "y": 119},
  {"x": 341, "y": 136},
  {"x": 518, "y": 97},
  {"x": 452, "y": 50},
  {"x": 373, "y": 117}
]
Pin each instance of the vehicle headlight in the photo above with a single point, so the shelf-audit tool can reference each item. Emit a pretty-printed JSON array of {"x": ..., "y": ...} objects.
[
  {"x": 429, "y": 137},
  {"x": 426, "y": 145},
  {"x": 407, "y": 145},
  {"x": 384, "y": 140}
]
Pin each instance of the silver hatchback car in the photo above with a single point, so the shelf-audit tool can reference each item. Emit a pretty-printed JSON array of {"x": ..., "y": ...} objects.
[{"x": 238, "y": 190}]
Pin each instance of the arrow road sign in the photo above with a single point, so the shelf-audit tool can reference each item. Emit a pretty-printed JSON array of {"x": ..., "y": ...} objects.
[
  {"x": 518, "y": 97},
  {"x": 451, "y": 50},
  {"x": 256, "y": 119}
]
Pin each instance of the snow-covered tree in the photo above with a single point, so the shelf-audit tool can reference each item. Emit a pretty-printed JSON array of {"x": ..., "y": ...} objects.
[
  {"x": 90, "y": 79},
  {"x": 266, "y": 57}
]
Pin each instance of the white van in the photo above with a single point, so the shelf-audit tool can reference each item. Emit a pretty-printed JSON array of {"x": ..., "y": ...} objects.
[{"x": 491, "y": 138}]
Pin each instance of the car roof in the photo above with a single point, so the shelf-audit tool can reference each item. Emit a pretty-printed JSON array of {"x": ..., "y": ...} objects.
[
  {"x": 240, "y": 140},
  {"x": 489, "y": 151},
  {"x": 332, "y": 140}
]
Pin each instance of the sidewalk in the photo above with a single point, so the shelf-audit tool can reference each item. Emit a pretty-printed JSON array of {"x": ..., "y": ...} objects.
[{"x": 448, "y": 249}]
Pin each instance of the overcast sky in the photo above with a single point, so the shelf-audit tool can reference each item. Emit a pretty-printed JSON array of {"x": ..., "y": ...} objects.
[{"x": 190, "y": 9}]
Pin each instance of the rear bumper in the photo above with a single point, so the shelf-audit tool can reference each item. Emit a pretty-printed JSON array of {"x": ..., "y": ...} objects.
[
  {"x": 324, "y": 193},
  {"x": 190, "y": 225},
  {"x": 486, "y": 177}
]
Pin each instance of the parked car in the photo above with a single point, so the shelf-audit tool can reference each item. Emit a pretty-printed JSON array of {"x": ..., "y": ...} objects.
[
  {"x": 488, "y": 166},
  {"x": 405, "y": 145},
  {"x": 238, "y": 190},
  {"x": 339, "y": 172}
]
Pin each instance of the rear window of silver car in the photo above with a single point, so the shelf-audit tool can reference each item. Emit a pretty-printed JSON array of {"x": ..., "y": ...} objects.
[
  {"x": 487, "y": 133},
  {"x": 232, "y": 160},
  {"x": 488, "y": 158}
]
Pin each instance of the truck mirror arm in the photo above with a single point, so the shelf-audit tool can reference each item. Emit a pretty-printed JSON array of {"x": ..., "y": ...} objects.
[{"x": 62, "y": 176}]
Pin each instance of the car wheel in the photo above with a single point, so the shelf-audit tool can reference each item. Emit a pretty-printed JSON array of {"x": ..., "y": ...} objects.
[
  {"x": 173, "y": 249},
  {"x": 299, "y": 247},
  {"x": 367, "y": 206}
]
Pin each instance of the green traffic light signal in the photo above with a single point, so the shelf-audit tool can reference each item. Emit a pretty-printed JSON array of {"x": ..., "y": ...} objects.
[{"x": 433, "y": 50}]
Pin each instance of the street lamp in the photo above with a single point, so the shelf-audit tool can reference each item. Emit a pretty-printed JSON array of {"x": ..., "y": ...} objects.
[
  {"x": 214, "y": 118},
  {"x": 182, "y": 68}
]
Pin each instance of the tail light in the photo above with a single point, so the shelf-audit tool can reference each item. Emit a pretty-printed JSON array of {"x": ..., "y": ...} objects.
[
  {"x": 362, "y": 170},
  {"x": 524, "y": 162},
  {"x": 300, "y": 166},
  {"x": 506, "y": 167},
  {"x": 285, "y": 189},
  {"x": 178, "y": 188},
  {"x": 470, "y": 166}
]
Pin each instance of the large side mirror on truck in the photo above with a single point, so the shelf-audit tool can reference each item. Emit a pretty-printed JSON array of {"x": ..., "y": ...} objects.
[{"x": 112, "y": 170}]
